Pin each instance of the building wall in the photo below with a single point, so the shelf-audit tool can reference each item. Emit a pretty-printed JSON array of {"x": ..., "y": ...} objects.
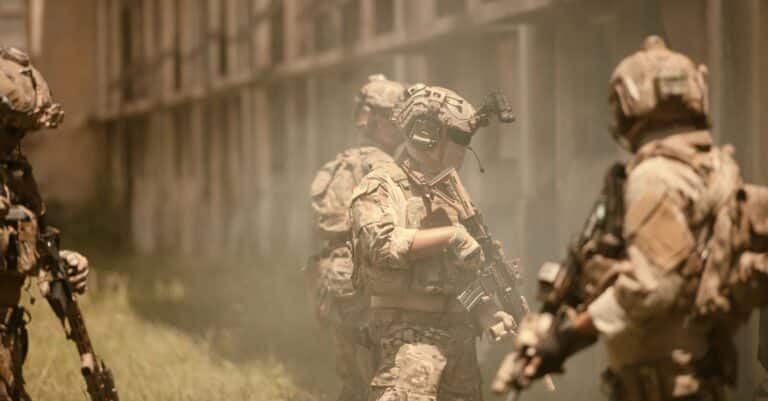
[
  {"x": 13, "y": 23},
  {"x": 60, "y": 37},
  {"x": 68, "y": 160}
]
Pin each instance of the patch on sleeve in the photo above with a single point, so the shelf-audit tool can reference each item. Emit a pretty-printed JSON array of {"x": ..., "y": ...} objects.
[
  {"x": 368, "y": 186},
  {"x": 659, "y": 229}
]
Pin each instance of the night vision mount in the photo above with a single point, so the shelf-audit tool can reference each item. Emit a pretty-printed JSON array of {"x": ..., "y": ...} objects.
[{"x": 495, "y": 104}]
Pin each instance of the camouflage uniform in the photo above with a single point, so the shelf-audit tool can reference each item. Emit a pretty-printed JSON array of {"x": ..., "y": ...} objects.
[
  {"x": 335, "y": 300},
  {"x": 693, "y": 268},
  {"x": 673, "y": 185},
  {"x": 676, "y": 184},
  {"x": 423, "y": 338},
  {"x": 25, "y": 104}
]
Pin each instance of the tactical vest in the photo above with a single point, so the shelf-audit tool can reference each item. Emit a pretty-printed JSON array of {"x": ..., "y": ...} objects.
[
  {"x": 729, "y": 269},
  {"x": 332, "y": 188},
  {"x": 18, "y": 233},
  {"x": 433, "y": 276}
]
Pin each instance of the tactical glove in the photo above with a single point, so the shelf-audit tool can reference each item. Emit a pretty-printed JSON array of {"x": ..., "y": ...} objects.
[
  {"x": 77, "y": 269},
  {"x": 544, "y": 342},
  {"x": 465, "y": 249}
]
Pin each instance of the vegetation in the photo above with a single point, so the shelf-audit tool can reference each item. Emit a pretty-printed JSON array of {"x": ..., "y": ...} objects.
[{"x": 151, "y": 360}]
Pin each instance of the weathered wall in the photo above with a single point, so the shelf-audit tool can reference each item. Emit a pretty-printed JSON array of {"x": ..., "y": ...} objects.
[{"x": 68, "y": 160}]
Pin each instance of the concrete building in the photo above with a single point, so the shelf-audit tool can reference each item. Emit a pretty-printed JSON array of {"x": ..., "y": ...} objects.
[{"x": 219, "y": 111}]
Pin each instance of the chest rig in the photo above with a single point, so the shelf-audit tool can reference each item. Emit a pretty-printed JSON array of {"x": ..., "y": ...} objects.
[{"x": 424, "y": 210}]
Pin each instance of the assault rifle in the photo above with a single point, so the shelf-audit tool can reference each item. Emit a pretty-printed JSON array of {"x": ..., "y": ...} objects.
[
  {"x": 498, "y": 278},
  {"x": 601, "y": 234},
  {"x": 99, "y": 381},
  {"x": 558, "y": 282}
]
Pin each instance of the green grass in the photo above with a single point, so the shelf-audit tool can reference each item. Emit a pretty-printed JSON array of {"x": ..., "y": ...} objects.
[{"x": 151, "y": 360}]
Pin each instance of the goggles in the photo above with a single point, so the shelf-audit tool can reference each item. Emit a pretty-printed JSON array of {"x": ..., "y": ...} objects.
[{"x": 426, "y": 133}]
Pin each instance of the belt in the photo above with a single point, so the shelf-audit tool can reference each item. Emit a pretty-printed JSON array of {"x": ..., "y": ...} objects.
[
  {"x": 417, "y": 302},
  {"x": 420, "y": 318}
]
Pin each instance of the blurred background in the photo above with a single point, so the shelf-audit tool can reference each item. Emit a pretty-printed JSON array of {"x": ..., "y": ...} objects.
[{"x": 194, "y": 127}]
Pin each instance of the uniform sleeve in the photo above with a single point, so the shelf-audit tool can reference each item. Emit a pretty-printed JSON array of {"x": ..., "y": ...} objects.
[
  {"x": 378, "y": 229},
  {"x": 659, "y": 239}
]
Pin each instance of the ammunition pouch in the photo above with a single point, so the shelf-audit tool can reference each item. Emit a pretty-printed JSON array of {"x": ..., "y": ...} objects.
[{"x": 665, "y": 380}]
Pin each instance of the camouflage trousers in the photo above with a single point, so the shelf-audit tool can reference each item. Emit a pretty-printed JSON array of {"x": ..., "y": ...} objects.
[
  {"x": 424, "y": 357},
  {"x": 13, "y": 351},
  {"x": 353, "y": 364}
]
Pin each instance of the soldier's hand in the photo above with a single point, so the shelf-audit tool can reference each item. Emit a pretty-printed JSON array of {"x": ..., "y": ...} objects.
[
  {"x": 504, "y": 327},
  {"x": 466, "y": 249},
  {"x": 509, "y": 377},
  {"x": 77, "y": 269}
]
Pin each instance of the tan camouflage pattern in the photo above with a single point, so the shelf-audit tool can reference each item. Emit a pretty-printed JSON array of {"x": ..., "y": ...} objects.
[
  {"x": 334, "y": 298},
  {"x": 12, "y": 355},
  {"x": 25, "y": 99},
  {"x": 20, "y": 190},
  {"x": 422, "y": 355},
  {"x": 332, "y": 188},
  {"x": 386, "y": 211},
  {"x": 331, "y": 193},
  {"x": 431, "y": 361},
  {"x": 380, "y": 92},
  {"x": 674, "y": 186},
  {"x": 644, "y": 83},
  {"x": 353, "y": 363},
  {"x": 442, "y": 104}
]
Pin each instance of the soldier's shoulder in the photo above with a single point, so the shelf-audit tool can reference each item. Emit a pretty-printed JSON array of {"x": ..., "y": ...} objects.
[
  {"x": 367, "y": 157},
  {"x": 659, "y": 171},
  {"x": 382, "y": 177}
]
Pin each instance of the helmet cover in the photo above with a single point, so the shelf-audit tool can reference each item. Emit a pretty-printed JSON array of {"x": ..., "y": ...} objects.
[
  {"x": 428, "y": 111},
  {"x": 658, "y": 84},
  {"x": 25, "y": 99},
  {"x": 376, "y": 99}
]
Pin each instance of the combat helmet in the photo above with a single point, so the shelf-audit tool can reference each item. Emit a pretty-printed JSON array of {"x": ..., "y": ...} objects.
[
  {"x": 376, "y": 99},
  {"x": 656, "y": 85},
  {"x": 430, "y": 114},
  {"x": 25, "y": 99}
]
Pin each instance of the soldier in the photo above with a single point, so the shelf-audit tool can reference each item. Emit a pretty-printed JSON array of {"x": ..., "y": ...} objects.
[
  {"x": 336, "y": 303},
  {"x": 414, "y": 257},
  {"x": 25, "y": 105},
  {"x": 693, "y": 238}
]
